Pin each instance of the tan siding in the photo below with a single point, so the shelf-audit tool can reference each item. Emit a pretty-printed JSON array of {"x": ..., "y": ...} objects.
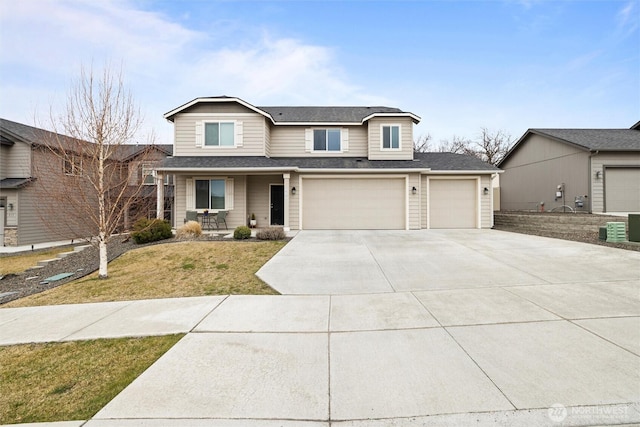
[
  {"x": 533, "y": 172},
  {"x": 289, "y": 141},
  {"x": 294, "y": 203},
  {"x": 258, "y": 196},
  {"x": 235, "y": 217},
  {"x": 486, "y": 204},
  {"x": 599, "y": 163},
  {"x": 267, "y": 139},
  {"x": 15, "y": 161},
  {"x": 253, "y": 143},
  {"x": 406, "y": 142},
  {"x": 414, "y": 201},
  {"x": 423, "y": 201}
]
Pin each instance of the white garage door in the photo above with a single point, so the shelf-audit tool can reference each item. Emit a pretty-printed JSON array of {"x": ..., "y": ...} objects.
[
  {"x": 452, "y": 203},
  {"x": 622, "y": 189},
  {"x": 353, "y": 204}
]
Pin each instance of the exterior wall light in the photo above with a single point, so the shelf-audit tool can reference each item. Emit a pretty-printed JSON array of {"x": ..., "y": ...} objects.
[
  {"x": 10, "y": 206},
  {"x": 598, "y": 174},
  {"x": 485, "y": 191},
  {"x": 414, "y": 190},
  {"x": 293, "y": 190}
]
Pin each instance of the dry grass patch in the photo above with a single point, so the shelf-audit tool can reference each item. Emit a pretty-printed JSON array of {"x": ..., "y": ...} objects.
[
  {"x": 170, "y": 270},
  {"x": 73, "y": 380},
  {"x": 20, "y": 262}
]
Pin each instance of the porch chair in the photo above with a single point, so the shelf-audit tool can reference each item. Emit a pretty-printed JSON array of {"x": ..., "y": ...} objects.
[
  {"x": 191, "y": 216},
  {"x": 221, "y": 217}
]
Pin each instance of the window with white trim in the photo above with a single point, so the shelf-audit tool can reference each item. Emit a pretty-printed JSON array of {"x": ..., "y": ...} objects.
[
  {"x": 390, "y": 137},
  {"x": 219, "y": 134},
  {"x": 148, "y": 174},
  {"x": 210, "y": 193},
  {"x": 326, "y": 140}
]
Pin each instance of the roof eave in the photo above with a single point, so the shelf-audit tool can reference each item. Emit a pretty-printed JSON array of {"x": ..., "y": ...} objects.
[
  {"x": 416, "y": 119},
  {"x": 169, "y": 115}
]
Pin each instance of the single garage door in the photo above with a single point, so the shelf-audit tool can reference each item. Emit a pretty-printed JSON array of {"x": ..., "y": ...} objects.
[
  {"x": 452, "y": 203},
  {"x": 353, "y": 203},
  {"x": 622, "y": 189}
]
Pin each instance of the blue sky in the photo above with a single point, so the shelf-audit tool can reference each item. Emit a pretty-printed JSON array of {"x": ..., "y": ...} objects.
[{"x": 460, "y": 65}]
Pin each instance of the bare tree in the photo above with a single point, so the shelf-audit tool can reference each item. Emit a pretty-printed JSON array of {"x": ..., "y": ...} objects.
[
  {"x": 489, "y": 146},
  {"x": 456, "y": 145},
  {"x": 422, "y": 144},
  {"x": 91, "y": 139}
]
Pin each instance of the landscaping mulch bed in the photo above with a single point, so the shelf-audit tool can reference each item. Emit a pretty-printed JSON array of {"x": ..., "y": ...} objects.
[{"x": 80, "y": 264}]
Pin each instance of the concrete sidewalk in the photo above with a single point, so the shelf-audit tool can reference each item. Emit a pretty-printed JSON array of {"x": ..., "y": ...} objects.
[{"x": 551, "y": 346}]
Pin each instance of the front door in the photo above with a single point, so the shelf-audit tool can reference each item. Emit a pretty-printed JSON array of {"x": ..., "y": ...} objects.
[{"x": 277, "y": 204}]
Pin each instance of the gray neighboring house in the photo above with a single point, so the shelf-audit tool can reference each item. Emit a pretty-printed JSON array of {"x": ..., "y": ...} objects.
[
  {"x": 319, "y": 168},
  {"x": 24, "y": 156},
  {"x": 600, "y": 167}
]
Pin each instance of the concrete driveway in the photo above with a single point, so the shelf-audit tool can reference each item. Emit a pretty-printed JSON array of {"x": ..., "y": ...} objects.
[
  {"x": 359, "y": 262},
  {"x": 404, "y": 329}
]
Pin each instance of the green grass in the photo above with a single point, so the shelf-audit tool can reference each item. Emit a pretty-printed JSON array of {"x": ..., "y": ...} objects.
[{"x": 72, "y": 380}]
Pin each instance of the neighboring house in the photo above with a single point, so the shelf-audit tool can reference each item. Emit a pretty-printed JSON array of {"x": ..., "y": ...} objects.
[
  {"x": 28, "y": 168},
  {"x": 320, "y": 168},
  {"x": 600, "y": 167}
]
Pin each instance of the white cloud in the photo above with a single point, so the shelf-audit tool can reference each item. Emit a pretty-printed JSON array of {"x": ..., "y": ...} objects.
[{"x": 164, "y": 63}]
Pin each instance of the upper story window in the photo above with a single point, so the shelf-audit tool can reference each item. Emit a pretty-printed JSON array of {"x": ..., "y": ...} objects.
[
  {"x": 148, "y": 174},
  {"x": 330, "y": 140},
  {"x": 219, "y": 134},
  {"x": 326, "y": 140},
  {"x": 390, "y": 137},
  {"x": 73, "y": 165}
]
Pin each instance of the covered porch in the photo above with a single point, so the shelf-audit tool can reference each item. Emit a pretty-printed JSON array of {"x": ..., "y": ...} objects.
[{"x": 269, "y": 195}]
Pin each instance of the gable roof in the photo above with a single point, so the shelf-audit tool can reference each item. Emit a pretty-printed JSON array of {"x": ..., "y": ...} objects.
[
  {"x": 11, "y": 131},
  {"x": 444, "y": 162},
  {"x": 292, "y": 115},
  {"x": 586, "y": 139}
]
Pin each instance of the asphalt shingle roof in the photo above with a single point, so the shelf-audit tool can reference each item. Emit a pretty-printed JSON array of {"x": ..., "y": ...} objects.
[
  {"x": 597, "y": 139},
  {"x": 325, "y": 114},
  {"x": 14, "y": 182},
  {"x": 36, "y": 136},
  {"x": 433, "y": 161}
]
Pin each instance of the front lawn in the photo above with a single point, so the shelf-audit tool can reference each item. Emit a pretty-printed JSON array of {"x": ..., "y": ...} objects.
[
  {"x": 170, "y": 270},
  {"x": 72, "y": 380}
]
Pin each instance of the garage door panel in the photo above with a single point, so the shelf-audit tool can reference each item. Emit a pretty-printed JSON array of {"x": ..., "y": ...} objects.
[
  {"x": 622, "y": 189},
  {"x": 353, "y": 204},
  {"x": 452, "y": 203}
]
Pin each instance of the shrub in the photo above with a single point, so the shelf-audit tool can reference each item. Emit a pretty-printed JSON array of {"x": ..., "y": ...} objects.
[
  {"x": 151, "y": 230},
  {"x": 271, "y": 233},
  {"x": 189, "y": 230},
  {"x": 242, "y": 232}
]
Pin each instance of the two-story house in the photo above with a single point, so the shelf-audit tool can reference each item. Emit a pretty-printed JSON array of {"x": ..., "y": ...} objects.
[
  {"x": 319, "y": 168},
  {"x": 33, "y": 179}
]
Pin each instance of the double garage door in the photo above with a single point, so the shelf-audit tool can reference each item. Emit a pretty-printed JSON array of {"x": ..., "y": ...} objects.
[
  {"x": 381, "y": 203},
  {"x": 354, "y": 204},
  {"x": 622, "y": 189}
]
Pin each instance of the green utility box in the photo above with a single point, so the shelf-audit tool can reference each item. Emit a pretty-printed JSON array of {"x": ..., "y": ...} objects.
[
  {"x": 634, "y": 227},
  {"x": 616, "y": 232},
  {"x": 602, "y": 234}
]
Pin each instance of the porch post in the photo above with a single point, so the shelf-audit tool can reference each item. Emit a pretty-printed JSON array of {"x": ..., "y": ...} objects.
[
  {"x": 286, "y": 177},
  {"x": 160, "y": 195}
]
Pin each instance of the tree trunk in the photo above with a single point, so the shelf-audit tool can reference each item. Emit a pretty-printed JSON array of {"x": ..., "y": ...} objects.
[{"x": 102, "y": 273}]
